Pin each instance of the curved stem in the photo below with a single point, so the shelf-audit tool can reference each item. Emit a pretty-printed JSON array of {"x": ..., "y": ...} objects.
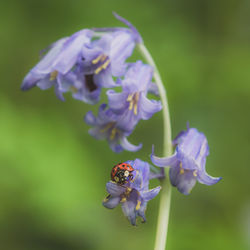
[{"x": 164, "y": 208}]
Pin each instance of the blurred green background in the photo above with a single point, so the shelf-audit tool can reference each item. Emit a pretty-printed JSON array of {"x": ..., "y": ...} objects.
[{"x": 53, "y": 173}]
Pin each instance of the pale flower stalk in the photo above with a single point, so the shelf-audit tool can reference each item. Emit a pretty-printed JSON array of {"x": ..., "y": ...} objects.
[{"x": 164, "y": 209}]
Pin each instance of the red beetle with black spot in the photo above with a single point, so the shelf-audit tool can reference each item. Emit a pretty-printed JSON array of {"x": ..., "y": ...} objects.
[{"x": 122, "y": 173}]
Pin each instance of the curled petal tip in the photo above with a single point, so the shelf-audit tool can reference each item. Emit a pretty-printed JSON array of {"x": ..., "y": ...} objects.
[
  {"x": 137, "y": 35},
  {"x": 206, "y": 179},
  {"x": 24, "y": 87},
  {"x": 153, "y": 149},
  {"x": 128, "y": 146}
]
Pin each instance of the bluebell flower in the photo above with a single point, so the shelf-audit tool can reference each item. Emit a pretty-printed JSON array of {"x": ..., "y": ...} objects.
[
  {"x": 105, "y": 58},
  {"x": 57, "y": 63},
  {"x": 84, "y": 63},
  {"x": 133, "y": 101},
  {"x": 107, "y": 126},
  {"x": 134, "y": 195},
  {"x": 187, "y": 164}
]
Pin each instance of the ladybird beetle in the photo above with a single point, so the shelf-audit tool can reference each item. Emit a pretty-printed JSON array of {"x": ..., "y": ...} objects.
[{"x": 122, "y": 173}]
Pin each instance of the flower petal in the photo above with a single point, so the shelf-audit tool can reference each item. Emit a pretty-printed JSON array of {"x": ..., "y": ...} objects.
[
  {"x": 127, "y": 121},
  {"x": 45, "y": 66},
  {"x": 206, "y": 179},
  {"x": 116, "y": 100},
  {"x": 97, "y": 133},
  {"x": 144, "y": 168},
  {"x": 102, "y": 113},
  {"x": 138, "y": 77},
  {"x": 122, "y": 47},
  {"x": 71, "y": 51},
  {"x": 87, "y": 97},
  {"x": 153, "y": 89},
  {"x": 58, "y": 93},
  {"x": 136, "y": 34},
  {"x": 114, "y": 189},
  {"x": 105, "y": 79},
  {"x": 141, "y": 176},
  {"x": 30, "y": 80},
  {"x": 129, "y": 206},
  {"x": 95, "y": 49},
  {"x": 179, "y": 137},
  {"x": 90, "y": 119},
  {"x": 148, "y": 107},
  {"x": 65, "y": 81},
  {"x": 45, "y": 83},
  {"x": 141, "y": 211},
  {"x": 192, "y": 150},
  {"x": 150, "y": 194},
  {"x": 170, "y": 161},
  {"x": 114, "y": 145},
  {"x": 128, "y": 146},
  {"x": 184, "y": 181},
  {"x": 111, "y": 202}
]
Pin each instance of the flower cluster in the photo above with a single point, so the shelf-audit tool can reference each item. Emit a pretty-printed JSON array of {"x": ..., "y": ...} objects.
[
  {"x": 133, "y": 195},
  {"x": 187, "y": 164},
  {"x": 93, "y": 59}
]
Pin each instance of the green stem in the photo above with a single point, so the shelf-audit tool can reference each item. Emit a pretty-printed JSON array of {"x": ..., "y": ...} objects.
[{"x": 164, "y": 209}]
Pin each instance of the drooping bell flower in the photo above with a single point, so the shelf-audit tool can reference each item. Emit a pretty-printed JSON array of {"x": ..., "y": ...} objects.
[
  {"x": 133, "y": 195},
  {"x": 105, "y": 57},
  {"x": 107, "y": 126},
  {"x": 57, "y": 63},
  {"x": 187, "y": 164},
  {"x": 133, "y": 101}
]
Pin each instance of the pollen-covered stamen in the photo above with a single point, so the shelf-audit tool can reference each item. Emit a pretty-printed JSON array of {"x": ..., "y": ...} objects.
[
  {"x": 106, "y": 198},
  {"x": 97, "y": 59},
  {"x": 107, "y": 127},
  {"x": 123, "y": 199},
  {"x": 126, "y": 194},
  {"x": 53, "y": 75},
  {"x": 112, "y": 129},
  {"x": 195, "y": 173},
  {"x": 181, "y": 170},
  {"x": 113, "y": 133},
  {"x": 138, "y": 205},
  {"x": 102, "y": 67},
  {"x": 133, "y": 101},
  {"x": 73, "y": 89},
  {"x": 103, "y": 62}
]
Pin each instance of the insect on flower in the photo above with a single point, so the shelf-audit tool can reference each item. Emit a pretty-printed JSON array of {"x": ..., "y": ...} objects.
[
  {"x": 122, "y": 173},
  {"x": 134, "y": 194}
]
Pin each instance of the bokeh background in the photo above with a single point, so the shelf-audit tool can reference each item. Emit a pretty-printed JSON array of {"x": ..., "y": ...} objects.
[{"x": 53, "y": 174}]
